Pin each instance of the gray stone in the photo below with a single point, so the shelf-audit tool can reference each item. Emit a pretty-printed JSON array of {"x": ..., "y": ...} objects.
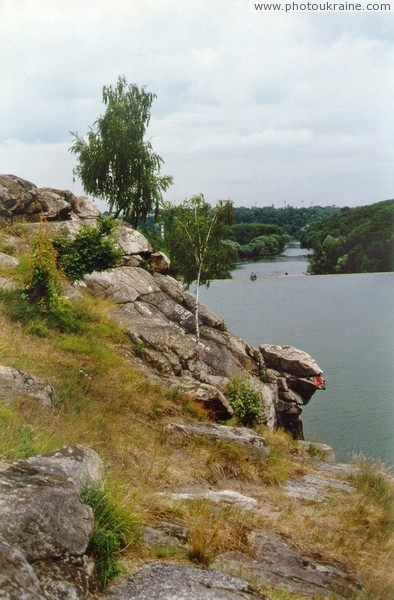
[
  {"x": 159, "y": 262},
  {"x": 42, "y": 514},
  {"x": 45, "y": 526},
  {"x": 132, "y": 241},
  {"x": 156, "y": 538},
  {"x": 210, "y": 397},
  {"x": 318, "y": 449},
  {"x": 18, "y": 581},
  {"x": 7, "y": 284},
  {"x": 78, "y": 464},
  {"x": 21, "y": 197},
  {"x": 239, "y": 435},
  {"x": 14, "y": 383},
  {"x": 315, "y": 487},
  {"x": 83, "y": 207},
  {"x": 164, "y": 581},
  {"x": 275, "y": 564},
  {"x": 290, "y": 359},
  {"x": 226, "y": 496},
  {"x": 67, "y": 578},
  {"x": 8, "y": 261}
]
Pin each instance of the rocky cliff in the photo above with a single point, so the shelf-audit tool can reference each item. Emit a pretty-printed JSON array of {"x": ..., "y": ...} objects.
[{"x": 158, "y": 315}]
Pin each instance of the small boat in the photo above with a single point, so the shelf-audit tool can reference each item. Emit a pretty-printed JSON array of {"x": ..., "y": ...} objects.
[{"x": 253, "y": 276}]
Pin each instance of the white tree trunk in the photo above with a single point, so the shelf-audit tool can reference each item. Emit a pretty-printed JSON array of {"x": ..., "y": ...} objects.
[{"x": 197, "y": 311}]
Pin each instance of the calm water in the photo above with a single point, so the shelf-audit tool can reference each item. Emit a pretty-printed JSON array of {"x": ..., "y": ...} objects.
[{"x": 346, "y": 322}]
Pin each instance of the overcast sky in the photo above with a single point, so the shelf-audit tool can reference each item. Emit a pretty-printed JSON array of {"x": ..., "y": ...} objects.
[{"x": 261, "y": 107}]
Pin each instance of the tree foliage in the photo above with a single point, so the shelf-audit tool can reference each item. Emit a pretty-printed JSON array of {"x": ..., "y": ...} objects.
[
  {"x": 116, "y": 162},
  {"x": 355, "y": 240},
  {"x": 193, "y": 236},
  {"x": 290, "y": 220}
]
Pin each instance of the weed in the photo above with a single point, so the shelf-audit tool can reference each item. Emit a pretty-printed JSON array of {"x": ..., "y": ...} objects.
[
  {"x": 378, "y": 492},
  {"x": 37, "y": 327},
  {"x": 45, "y": 284},
  {"x": 139, "y": 348},
  {"x": 245, "y": 400}
]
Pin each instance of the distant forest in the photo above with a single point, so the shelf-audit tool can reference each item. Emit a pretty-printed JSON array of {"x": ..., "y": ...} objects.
[
  {"x": 354, "y": 240},
  {"x": 264, "y": 232},
  {"x": 343, "y": 240}
]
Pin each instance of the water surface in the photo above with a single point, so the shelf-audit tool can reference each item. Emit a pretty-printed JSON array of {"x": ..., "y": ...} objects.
[{"x": 346, "y": 322}]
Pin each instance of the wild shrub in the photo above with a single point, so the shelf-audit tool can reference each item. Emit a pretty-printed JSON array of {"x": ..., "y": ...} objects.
[
  {"x": 93, "y": 249},
  {"x": 245, "y": 400},
  {"x": 45, "y": 286}
]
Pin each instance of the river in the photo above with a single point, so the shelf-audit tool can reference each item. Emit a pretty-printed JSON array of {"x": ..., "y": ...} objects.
[{"x": 346, "y": 322}]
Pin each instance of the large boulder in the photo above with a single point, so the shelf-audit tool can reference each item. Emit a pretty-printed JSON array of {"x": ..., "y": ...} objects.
[
  {"x": 44, "y": 525},
  {"x": 18, "y": 580},
  {"x": 42, "y": 514},
  {"x": 19, "y": 197},
  {"x": 76, "y": 463},
  {"x": 8, "y": 261},
  {"x": 290, "y": 359}
]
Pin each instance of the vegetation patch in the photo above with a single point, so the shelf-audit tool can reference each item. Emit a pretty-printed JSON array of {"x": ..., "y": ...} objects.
[
  {"x": 113, "y": 531},
  {"x": 92, "y": 249},
  {"x": 245, "y": 400}
]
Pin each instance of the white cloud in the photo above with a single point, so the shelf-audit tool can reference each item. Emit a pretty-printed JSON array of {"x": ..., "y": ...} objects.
[{"x": 252, "y": 106}]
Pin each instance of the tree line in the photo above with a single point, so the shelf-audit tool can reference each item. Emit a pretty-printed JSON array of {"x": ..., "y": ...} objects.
[{"x": 354, "y": 240}]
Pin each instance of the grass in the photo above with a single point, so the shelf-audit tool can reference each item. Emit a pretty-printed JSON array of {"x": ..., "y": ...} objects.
[
  {"x": 102, "y": 402},
  {"x": 114, "y": 530},
  {"x": 214, "y": 530}
]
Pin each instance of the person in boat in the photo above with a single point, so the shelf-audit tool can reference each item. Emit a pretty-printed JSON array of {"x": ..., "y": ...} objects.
[{"x": 253, "y": 276}]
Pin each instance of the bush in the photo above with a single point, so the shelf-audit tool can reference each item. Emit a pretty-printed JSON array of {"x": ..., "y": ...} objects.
[
  {"x": 245, "y": 400},
  {"x": 93, "y": 249}
]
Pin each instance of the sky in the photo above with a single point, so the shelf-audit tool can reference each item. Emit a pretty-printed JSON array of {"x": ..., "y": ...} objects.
[{"x": 262, "y": 107}]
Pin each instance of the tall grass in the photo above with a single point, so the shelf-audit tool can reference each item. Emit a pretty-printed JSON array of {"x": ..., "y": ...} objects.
[{"x": 114, "y": 529}]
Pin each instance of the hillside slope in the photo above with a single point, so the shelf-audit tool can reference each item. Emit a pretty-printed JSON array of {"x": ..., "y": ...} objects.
[{"x": 228, "y": 499}]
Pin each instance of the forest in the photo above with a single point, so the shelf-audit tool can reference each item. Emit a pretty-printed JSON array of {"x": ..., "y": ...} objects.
[
  {"x": 264, "y": 232},
  {"x": 354, "y": 240}
]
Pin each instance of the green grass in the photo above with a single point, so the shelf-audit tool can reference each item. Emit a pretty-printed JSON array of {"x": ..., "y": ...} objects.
[{"x": 114, "y": 529}]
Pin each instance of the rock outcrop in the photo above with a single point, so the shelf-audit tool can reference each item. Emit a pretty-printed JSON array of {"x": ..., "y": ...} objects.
[
  {"x": 159, "y": 316},
  {"x": 21, "y": 198},
  {"x": 276, "y": 563},
  {"x": 240, "y": 435},
  {"x": 165, "y": 581},
  {"x": 14, "y": 383},
  {"x": 44, "y": 526}
]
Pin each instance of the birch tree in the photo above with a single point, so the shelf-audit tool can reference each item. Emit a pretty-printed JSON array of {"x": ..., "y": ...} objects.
[{"x": 193, "y": 235}]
